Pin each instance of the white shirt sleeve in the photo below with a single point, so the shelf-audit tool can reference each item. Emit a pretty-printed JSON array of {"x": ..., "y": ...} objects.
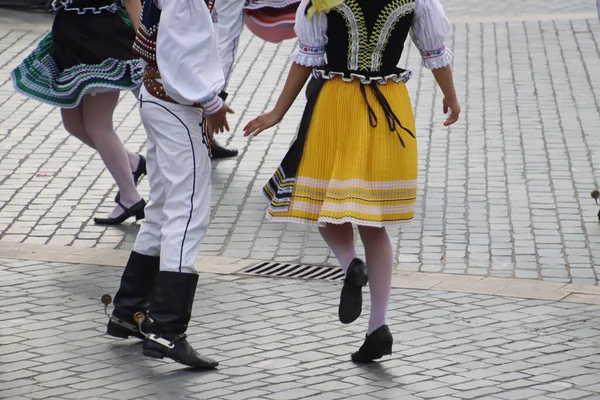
[
  {"x": 312, "y": 35},
  {"x": 187, "y": 54},
  {"x": 429, "y": 29}
]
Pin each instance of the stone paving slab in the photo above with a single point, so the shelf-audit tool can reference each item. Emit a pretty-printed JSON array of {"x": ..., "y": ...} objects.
[
  {"x": 280, "y": 339},
  {"x": 503, "y": 194}
]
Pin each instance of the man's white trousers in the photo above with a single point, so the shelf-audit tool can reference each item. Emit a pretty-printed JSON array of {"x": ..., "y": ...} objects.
[{"x": 179, "y": 173}]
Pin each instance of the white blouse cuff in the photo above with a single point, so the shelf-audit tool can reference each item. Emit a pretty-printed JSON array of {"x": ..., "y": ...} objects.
[
  {"x": 437, "y": 58},
  {"x": 212, "y": 106},
  {"x": 309, "y": 56}
]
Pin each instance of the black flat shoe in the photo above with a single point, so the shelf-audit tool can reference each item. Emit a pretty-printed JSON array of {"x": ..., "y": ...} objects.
[
  {"x": 217, "y": 151},
  {"x": 136, "y": 210},
  {"x": 177, "y": 349},
  {"x": 376, "y": 345},
  {"x": 351, "y": 296},
  {"x": 137, "y": 175}
]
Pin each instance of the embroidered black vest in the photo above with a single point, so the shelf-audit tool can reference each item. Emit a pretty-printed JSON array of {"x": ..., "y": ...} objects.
[{"x": 366, "y": 39}]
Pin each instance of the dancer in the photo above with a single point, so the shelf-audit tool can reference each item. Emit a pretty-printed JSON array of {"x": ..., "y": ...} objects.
[
  {"x": 182, "y": 82},
  {"x": 229, "y": 28},
  {"x": 231, "y": 23},
  {"x": 80, "y": 66},
  {"x": 355, "y": 157}
]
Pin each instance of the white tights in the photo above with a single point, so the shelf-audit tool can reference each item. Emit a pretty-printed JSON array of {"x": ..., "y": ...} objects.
[
  {"x": 379, "y": 260},
  {"x": 91, "y": 122}
]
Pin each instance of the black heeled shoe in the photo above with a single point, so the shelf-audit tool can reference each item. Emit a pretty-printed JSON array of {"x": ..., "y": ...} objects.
[
  {"x": 137, "y": 175},
  {"x": 351, "y": 296},
  {"x": 376, "y": 345},
  {"x": 177, "y": 349},
  {"x": 136, "y": 210}
]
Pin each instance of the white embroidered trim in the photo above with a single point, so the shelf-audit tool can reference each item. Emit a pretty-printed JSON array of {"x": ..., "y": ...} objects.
[
  {"x": 404, "y": 77},
  {"x": 350, "y": 18},
  {"x": 386, "y": 31},
  {"x": 65, "y": 4},
  {"x": 308, "y": 60},
  {"x": 323, "y": 221},
  {"x": 439, "y": 61}
]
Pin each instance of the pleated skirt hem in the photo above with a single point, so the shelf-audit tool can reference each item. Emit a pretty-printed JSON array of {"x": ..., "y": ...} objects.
[{"x": 323, "y": 221}]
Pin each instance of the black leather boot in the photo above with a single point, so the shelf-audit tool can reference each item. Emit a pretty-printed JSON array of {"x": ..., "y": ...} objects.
[
  {"x": 376, "y": 345},
  {"x": 351, "y": 296},
  {"x": 169, "y": 315},
  {"x": 218, "y": 151},
  {"x": 133, "y": 295}
]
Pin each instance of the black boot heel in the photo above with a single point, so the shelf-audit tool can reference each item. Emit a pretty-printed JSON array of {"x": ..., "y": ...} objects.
[
  {"x": 117, "y": 331},
  {"x": 376, "y": 345},
  {"x": 136, "y": 210},
  {"x": 350, "y": 306},
  {"x": 133, "y": 297},
  {"x": 122, "y": 329}
]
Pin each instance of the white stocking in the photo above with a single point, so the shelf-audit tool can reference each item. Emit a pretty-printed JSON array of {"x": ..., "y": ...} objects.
[
  {"x": 380, "y": 266},
  {"x": 97, "y": 120},
  {"x": 340, "y": 239},
  {"x": 73, "y": 122}
]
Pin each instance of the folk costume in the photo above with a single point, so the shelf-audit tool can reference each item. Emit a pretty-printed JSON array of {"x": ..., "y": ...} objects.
[
  {"x": 182, "y": 83},
  {"x": 355, "y": 156},
  {"x": 87, "y": 51},
  {"x": 354, "y": 160}
]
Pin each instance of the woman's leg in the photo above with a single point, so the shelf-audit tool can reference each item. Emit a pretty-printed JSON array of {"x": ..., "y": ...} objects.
[
  {"x": 73, "y": 122},
  {"x": 380, "y": 266},
  {"x": 340, "y": 239},
  {"x": 97, "y": 119}
]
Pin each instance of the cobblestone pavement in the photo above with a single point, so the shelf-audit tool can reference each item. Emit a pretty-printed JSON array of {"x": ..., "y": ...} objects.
[
  {"x": 503, "y": 193},
  {"x": 279, "y": 339}
]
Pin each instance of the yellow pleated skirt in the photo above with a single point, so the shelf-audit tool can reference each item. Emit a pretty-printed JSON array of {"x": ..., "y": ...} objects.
[{"x": 349, "y": 170}]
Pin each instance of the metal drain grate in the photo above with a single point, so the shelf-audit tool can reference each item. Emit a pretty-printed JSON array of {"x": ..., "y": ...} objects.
[{"x": 297, "y": 271}]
